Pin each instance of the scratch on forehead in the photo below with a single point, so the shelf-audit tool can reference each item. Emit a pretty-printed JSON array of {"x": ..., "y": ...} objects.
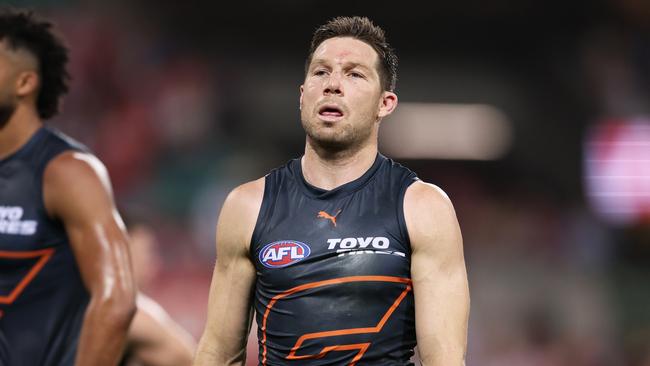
[
  {"x": 343, "y": 53},
  {"x": 335, "y": 49}
]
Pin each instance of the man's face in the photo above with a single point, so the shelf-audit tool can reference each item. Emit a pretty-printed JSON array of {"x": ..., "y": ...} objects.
[{"x": 341, "y": 99}]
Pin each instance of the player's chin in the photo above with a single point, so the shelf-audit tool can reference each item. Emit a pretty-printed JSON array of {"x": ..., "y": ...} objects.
[
  {"x": 327, "y": 125},
  {"x": 331, "y": 140}
]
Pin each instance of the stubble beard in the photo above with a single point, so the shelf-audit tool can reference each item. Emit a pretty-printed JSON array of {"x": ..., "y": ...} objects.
[{"x": 345, "y": 138}]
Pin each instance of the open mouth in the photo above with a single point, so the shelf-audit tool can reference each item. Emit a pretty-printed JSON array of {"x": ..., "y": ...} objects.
[{"x": 330, "y": 111}]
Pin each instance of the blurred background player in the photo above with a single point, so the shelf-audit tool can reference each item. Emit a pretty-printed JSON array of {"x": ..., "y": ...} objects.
[
  {"x": 155, "y": 339},
  {"x": 67, "y": 294}
]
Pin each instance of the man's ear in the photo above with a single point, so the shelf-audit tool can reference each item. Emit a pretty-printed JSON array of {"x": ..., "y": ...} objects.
[
  {"x": 302, "y": 88},
  {"x": 387, "y": 104},
  {"x": 27, "y": 83}
]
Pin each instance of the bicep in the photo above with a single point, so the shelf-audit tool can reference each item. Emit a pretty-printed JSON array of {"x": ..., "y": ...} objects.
[
  {"x": 441, "y": 299},
  {"x": 77, "y": 191},
  {"x": 231, "y": 291},
  {"x": 230, "y": 302},
  {"x": 232, "y": 284},
  {"x": 439, "y": 276}
]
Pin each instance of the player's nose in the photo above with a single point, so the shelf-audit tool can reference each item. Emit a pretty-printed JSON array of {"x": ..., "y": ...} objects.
[{"x": 333, "y": 85}]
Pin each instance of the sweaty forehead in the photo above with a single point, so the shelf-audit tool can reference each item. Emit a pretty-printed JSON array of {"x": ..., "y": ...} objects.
[{"x": 345, "y": 49}]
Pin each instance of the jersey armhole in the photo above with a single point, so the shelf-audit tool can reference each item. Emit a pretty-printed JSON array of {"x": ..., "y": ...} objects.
[
  {"x": 259, "y": 222},
  {"x": 403, "y": 229}
]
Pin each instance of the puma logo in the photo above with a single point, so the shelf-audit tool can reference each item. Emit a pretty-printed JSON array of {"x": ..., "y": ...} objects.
[{"x": 325, "y": 215}]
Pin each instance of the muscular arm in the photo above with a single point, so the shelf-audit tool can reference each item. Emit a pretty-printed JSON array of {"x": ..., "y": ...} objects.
[
  {"x": 439, "y": 276},
  {"x": 156, "y": 340},
  {"x": 76, "y": 189},
  {"x": 229, "y": 308}
]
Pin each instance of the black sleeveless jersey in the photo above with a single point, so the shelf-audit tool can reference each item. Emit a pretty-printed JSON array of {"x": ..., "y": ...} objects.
[
  {"x": 333, "y": 270},
  {"x": 42, "y": 297}
]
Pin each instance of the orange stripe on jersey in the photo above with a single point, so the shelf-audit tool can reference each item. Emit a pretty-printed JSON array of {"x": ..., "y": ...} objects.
[
  {"x": 44, "y": 254},
  {"x": 362, "y": 347}
]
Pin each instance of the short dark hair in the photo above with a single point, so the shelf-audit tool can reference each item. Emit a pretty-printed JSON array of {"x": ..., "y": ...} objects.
[
  {"x": 23, "y": 30},
  {"x": 365, "y": 30}
]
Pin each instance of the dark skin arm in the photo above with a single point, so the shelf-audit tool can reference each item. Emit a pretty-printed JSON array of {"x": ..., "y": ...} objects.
[{"x": 76, "y": 190}]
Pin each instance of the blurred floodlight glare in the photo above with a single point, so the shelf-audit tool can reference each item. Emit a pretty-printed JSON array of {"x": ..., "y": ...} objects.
[
  {"x": 446, "y": 131},
  {"x": 617, "y": 170}
]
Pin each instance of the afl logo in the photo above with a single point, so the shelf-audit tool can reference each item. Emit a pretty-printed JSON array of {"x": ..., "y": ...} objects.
[{"x": 283, "y": 253}]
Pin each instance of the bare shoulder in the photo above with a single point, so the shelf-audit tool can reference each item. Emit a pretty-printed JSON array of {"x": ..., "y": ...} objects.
[
  {"x": 427, "y": 197},
  {"x": 76, "y": 181},
  {"x": 247, "y": 197},
  {"x": 429, "y": 214},
  {"x": 238, "y": 217},
  {"x": 72, "y": 166}
]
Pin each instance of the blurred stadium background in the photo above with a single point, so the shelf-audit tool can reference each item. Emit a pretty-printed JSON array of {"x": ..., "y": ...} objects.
[{"x": 533, "y": 115}]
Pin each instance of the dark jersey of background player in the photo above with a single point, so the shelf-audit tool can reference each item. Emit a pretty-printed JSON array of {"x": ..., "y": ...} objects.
[
  {"x": 42, "y": 296},
  {"x": 67, "y": 294},
  {"x": 4, "y": 351},
  {"x": 344, "y": 254}
]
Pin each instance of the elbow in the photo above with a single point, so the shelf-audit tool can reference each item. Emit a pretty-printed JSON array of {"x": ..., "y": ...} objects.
[
  {"x": 123, "y": 302},
  {"x": 124, "y": 306},
  {"x": 118, "y": 307},
  {"x": 124, "y": 311},
  {"x": 121, "y": 312}
]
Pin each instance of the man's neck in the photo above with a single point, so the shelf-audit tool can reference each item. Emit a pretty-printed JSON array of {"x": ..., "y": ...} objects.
[
  {"x": 327, "y": 170},
  {"x": 18, "y": 130}
]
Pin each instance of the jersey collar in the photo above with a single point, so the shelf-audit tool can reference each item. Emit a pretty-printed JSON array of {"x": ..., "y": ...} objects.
[{"x": 340, "y": 191}]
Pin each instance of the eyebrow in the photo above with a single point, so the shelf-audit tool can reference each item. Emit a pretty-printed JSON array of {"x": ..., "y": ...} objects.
[{"x": 348, "y": 65}]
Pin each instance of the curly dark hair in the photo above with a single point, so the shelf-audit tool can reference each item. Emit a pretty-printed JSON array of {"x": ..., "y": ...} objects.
[
  {"x": 366, "y": 31},
  {"x": 21, "y": 29}
]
